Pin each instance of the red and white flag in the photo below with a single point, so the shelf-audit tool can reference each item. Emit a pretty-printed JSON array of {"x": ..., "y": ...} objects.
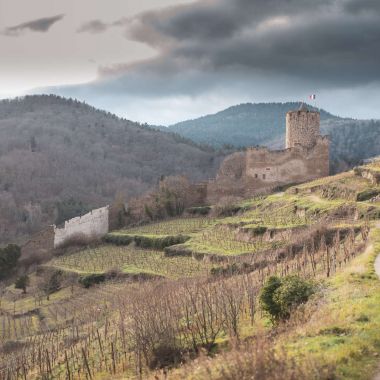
[{"x": 312, "y": 97}]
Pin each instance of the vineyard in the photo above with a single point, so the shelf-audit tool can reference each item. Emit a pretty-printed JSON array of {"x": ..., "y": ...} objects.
[
  {"x": 173, "y": 227},
  {"x": 159, "y": 308},
  {"x": 130, "y": 260},
  {"x": 223, "y": 241}
]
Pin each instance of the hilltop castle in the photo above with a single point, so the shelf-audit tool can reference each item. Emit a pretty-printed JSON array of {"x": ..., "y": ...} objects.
[{"x": 260, "y": 170}]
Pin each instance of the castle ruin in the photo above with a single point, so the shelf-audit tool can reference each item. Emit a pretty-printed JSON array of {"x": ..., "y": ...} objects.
[
  {"x": 93, "y": 225},
  {"x": 260, "y": 170}
]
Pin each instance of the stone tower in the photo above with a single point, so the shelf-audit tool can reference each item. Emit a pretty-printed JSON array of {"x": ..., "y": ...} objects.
[{"x": 302, "y": 127}]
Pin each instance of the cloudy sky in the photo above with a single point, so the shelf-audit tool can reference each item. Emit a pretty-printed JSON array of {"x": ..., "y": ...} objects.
[{"x": 163, "y": 61}]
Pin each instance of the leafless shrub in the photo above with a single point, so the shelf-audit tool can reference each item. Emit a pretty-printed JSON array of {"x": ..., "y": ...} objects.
[{"x": 227, "y": 206}]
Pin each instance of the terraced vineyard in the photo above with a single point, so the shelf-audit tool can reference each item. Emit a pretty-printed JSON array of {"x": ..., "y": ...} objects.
[
  {"x": 202, "y": 292},
  {"x": 131, "y": 260},
  {"x": 171, "y": 227},
  {"x": 222, "y": 241}
]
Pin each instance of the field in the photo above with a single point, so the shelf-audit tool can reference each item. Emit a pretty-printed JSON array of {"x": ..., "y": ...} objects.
[
  {"x": 203, "y": 295},
  {"x": 172, "y": 227},
  {"x": 221, "y": 241},
  {"x": 130, "y": 260}
]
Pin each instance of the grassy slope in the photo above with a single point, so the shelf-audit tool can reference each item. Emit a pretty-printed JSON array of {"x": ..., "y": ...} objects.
[
  {"x": 345, "y": 330},
  {"x": 341, "y": 340}
]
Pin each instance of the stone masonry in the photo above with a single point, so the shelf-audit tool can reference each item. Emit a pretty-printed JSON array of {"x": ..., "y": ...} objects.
[
  {"x": 302, "y": 128},
  {"x": 260, "y": 170},
  {"x": 93, "y": 225}
]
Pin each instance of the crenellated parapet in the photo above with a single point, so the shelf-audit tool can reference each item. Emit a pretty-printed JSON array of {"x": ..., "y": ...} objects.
[{"x": 92, "y": 225}]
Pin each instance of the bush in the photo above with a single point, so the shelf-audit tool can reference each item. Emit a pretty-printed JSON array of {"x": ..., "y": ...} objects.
[
  {"x": 91, "y": 279},
  {"x": 260, "y": 230},
  {"x": 8, "y": 259},
  {"x": 142, "y": 241},
  {"x": 227, "y": 206},
  {"x": 280, "y": 296},
  {"x": 202, "y": 210},
  {"x": 22, "y": 283},
  {"x": 118, "y": 239},
  {"x": 160, "y": 243},
  {"x": 51, "y": 282},
  {"x": 367, "y": 194},
  {"x": 165, "y": 355}
]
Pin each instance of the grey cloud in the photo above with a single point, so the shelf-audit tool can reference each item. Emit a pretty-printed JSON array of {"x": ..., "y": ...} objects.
[
  {"x": 318, "y": 41},
  {"x": 39, "y": 25},
  {"x": 94, "y": 26},
  {"x": 248, "y": 47},
  {"x": 363, "y": 6}
]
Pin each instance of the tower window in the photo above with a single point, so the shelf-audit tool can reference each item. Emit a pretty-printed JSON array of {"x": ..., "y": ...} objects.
[
  {"x": 256, "y": 175},
  {"x": 264, "y": 176}
]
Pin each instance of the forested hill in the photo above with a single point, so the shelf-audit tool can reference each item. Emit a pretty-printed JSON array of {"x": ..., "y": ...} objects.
[
  {"x": 57, "y": 153},
  {"x": 241, "y": 125},
  {"x": 264, "y": 124}
]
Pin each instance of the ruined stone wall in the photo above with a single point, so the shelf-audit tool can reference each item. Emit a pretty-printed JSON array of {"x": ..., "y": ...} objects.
[
  {"x": 230, "y": 179},
  {"x": 302, "y": 127},
  {"x": 95, "y": 224},
  {"x": 260, "y": 170},
  {"x": 268, "y": 169}
]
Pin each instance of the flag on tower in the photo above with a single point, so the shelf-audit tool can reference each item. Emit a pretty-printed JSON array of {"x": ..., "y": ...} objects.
[{"x": 312, "y": 97}]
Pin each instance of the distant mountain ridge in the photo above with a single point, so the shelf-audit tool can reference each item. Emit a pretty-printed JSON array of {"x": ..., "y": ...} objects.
[
  {"x": 242, "y": 125},
  {"x": 263, "y": 124}
]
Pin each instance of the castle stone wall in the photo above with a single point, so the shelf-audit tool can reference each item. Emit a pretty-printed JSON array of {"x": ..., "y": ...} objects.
[
  {"x": 93, "y": 225},
  {"x": 303, "y": 128},
  {"x": 271, "y": 169},
  {"x": 260, "y": 170}
]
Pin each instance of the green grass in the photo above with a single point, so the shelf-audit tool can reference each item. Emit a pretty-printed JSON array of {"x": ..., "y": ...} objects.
[
  {"x": 345, "y": 330},
  {"x": 132, "y": 261}
]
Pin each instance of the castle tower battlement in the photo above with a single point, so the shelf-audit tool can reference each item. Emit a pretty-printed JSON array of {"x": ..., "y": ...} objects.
[{"x": 302, "y": 127}]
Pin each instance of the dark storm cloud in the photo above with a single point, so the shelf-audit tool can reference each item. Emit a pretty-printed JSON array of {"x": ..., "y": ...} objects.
[
  {"x": 363, "y": 6},
  {"x": 39, "y": 25},
  {"x": 94, "y": 26},
  {"x": 332, "y": 42}
]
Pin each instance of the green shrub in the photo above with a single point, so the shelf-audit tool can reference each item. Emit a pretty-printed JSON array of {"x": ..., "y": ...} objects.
[
  {"x": 22, "y": 283},
  {"x": 280, "y": 296},
  {"x": 268, "y": 304},
  {"x": 158, "y": 243},
  {"x": 91, "y": 279},
  {"x": 367, "y": 194},
  {"x": 260, "y": 230},
  {"x": 51, "y": 283},
  {"x": 118, "y": 239}
]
